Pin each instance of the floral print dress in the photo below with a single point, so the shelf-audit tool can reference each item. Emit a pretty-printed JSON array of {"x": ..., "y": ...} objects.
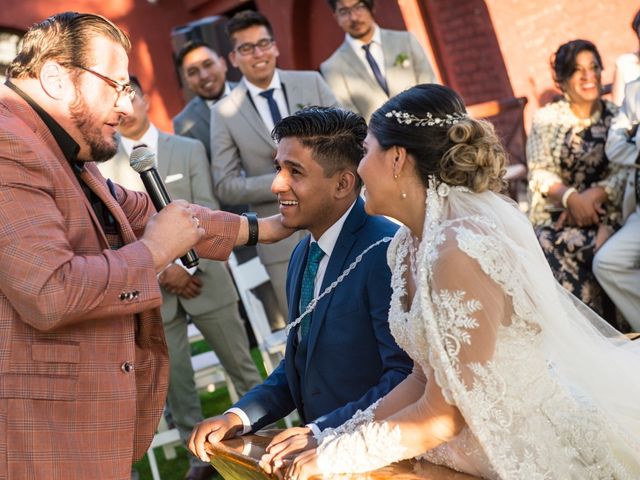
[{"x": 563, "y": 148}]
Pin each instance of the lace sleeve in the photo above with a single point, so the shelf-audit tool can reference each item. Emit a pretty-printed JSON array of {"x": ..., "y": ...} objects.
[{"x": 461, "y": 314}]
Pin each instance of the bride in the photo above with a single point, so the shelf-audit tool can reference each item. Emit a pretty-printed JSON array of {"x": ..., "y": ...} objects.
[{"x": 514, "y": 378}]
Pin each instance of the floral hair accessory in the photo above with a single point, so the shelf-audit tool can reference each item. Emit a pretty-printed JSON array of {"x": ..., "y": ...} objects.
[{"x": 406, "y": 118}]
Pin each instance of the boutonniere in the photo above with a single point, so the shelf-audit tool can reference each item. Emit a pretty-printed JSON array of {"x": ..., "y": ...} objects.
[
  {"x": 302, "y": 106},
  {"x": 402, "y": 60}
]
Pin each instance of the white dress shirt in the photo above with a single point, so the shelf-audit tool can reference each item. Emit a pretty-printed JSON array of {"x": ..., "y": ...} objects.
[
  {"x": 211, "y": 103},
  {"x": 261, "y": 103},
  {"x": 326, "y": 242},
  {"x": 375, "y": 49}
]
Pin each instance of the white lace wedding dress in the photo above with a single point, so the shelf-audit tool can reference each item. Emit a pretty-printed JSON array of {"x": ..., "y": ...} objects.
[{"x": 546, "y": 389}]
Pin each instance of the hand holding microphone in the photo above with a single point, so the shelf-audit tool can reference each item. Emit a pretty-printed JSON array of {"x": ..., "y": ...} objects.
[{"x": 167, "y": 231}]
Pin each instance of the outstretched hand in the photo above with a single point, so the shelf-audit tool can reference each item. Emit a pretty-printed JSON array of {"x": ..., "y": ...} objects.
[{"x": 272, "y": 230}]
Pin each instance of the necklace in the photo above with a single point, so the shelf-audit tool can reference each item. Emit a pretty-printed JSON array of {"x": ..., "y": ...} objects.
[{"x": 334, "y": 284}]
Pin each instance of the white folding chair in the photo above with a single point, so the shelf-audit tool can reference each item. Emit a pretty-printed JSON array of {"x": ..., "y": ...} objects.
[{"x": 208, "y": 373}]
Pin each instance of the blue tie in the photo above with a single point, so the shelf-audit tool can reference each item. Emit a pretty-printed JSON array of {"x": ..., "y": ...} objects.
[
  {"x": 375, "y": 68},
  {"x": 273, "y": 106},
  {"x": 308, "y": 279}
]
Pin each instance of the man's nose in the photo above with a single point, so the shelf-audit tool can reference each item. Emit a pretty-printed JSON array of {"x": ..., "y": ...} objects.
[{"x": 279, "y": 184}]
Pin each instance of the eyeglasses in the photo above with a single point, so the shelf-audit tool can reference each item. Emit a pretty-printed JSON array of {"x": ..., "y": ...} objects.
[
  {"x": 263, "y": 44},
  {"x": 356, "y": 9},
  {"x": 121, "y": 88}
]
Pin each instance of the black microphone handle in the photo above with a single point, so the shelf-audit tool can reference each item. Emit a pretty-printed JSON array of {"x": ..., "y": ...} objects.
[{"x": 160, "y": 199}]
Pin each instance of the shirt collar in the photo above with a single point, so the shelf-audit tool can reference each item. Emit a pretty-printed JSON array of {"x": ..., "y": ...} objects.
[
  {"x": 227, "y": 90},
  {"x": 150, "y": 139},
  {"x": 255, "y": 91},
  {"x": 328, "y": 239},
  {"x": 357, "y": 44},
  {"x": 67, "y": 144}
]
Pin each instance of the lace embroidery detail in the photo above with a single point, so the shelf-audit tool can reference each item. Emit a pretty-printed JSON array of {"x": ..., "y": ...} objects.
[
  {"x": 360, "y": 417},
  {"x": 370, "y": 446},
  {"x": 522, "y": 420}
]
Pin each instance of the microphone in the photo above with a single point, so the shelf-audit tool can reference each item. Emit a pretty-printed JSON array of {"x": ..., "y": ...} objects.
[{"x": 142, "y": 160}]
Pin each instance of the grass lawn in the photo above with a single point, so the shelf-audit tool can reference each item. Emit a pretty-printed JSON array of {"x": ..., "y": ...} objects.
[{"x": 213, "y": 403}]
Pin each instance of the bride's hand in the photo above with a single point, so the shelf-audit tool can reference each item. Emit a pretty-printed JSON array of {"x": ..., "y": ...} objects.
[
  {"x": 286, "y": 444},
  {"x": 304, "y": 466}
]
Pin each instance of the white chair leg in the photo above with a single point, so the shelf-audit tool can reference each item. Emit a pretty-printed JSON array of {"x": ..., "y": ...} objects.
[{"x": 155, "y": 473}]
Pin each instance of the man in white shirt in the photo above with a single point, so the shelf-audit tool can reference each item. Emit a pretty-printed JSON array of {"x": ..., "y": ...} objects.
[
  {"x": 242, "y": 149},
  {"x": 205, "y": 294},
  {"x": 372, "y": 64},
  {"x": 340, "y": 356}
]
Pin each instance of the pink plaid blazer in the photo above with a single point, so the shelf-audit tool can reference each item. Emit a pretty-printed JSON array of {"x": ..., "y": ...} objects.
[{"x": 83, "y": 361}]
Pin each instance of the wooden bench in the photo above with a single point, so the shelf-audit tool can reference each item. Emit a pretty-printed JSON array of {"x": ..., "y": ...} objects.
[{"x": 237, "y": 459}]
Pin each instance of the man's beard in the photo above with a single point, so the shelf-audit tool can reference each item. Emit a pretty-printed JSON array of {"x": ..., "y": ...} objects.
[{"x": 101, "y": 150}]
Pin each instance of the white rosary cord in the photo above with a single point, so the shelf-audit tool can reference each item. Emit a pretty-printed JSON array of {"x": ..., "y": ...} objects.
[{"x": 334, "y": 284}]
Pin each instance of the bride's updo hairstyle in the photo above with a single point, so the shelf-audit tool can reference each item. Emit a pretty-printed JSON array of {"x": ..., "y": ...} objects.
[{"x": 430, "y": 122}]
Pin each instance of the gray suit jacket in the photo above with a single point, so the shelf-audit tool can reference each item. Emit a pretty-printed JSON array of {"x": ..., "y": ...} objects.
[
  {"x": 242, "y": 150},
  {"x": 183, "y": 167},
  {"x": 622, "y": 150},
  {"x": 356, "y": 89},
  {"x": 194, "y": 121}
]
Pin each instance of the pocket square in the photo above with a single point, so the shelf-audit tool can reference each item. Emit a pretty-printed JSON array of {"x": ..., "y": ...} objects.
[{"x": 173, "y": 178}]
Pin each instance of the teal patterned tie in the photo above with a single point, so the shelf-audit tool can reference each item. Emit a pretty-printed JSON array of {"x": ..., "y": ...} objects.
[{"x": 306, "y": 291}]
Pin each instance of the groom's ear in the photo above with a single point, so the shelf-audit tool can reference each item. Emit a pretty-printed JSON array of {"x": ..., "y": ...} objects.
[{"x": 346, "y": 182}]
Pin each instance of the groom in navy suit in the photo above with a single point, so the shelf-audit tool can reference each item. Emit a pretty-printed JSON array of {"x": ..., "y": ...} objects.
[{"x": 340, "y": 357}]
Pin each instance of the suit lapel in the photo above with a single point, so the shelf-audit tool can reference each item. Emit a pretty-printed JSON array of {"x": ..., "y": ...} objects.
[
  {"x": 203, "y": 111},
  {"x": 297, "y": 272},
  {"x": 240, "y": 97},
  {"x": 101, "y": 190},
  {"x": 165, "y": 154},
  {"x": 293, "y": 92},
  {"x": 336, "y": 266},
  {"x": 398, "y": 77},
  {"x": 352, "y": 63}
]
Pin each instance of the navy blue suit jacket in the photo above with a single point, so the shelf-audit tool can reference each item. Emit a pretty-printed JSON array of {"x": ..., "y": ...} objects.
[{"x": 352, "y": 358}]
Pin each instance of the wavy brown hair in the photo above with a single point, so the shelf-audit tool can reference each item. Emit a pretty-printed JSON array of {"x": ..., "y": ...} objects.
[{"x": 65, "y": 38}]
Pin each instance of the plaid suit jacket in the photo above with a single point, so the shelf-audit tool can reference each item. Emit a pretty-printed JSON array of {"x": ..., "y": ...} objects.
[{"x": 83, "y": 361}]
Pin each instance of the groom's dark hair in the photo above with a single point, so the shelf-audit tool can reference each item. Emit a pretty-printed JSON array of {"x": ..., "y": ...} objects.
[{"x": 333, "y": 134}]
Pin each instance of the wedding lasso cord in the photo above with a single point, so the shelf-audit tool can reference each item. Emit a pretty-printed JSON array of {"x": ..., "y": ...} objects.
[{"x": 334, "y": 284}]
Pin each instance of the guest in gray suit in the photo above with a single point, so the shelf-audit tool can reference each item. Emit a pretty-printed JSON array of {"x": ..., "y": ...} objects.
[
  {"x": 205, "y": 294},
  {"x": 242, "y": 149},
  {"x": 205, "y": 73},
  {"x": 372, "y": 64},
  {"x": 617, "y": 263}
]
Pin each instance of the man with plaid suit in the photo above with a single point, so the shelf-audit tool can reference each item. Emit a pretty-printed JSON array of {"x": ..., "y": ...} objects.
[{"x": 83, "y": 360}]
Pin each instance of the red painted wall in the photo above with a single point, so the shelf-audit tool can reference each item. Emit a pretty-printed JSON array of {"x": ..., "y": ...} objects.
[{"x": 486, "y": 49}]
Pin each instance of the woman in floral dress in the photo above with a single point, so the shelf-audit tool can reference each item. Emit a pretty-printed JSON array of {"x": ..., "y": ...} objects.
[{"x": 575, "y": 195}]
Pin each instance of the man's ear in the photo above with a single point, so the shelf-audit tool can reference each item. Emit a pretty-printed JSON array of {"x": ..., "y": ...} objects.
[
  {"x": 347, "y": 182},
  {"x": 232, "y": 58},
  {"x": 53, "y": 79}
]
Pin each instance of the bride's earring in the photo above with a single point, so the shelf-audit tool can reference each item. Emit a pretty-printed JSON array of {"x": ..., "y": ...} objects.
[{"x": 396, "y": 176}]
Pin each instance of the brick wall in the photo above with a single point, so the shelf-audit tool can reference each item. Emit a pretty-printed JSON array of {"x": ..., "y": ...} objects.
[{"x": 496, "y": 48}]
